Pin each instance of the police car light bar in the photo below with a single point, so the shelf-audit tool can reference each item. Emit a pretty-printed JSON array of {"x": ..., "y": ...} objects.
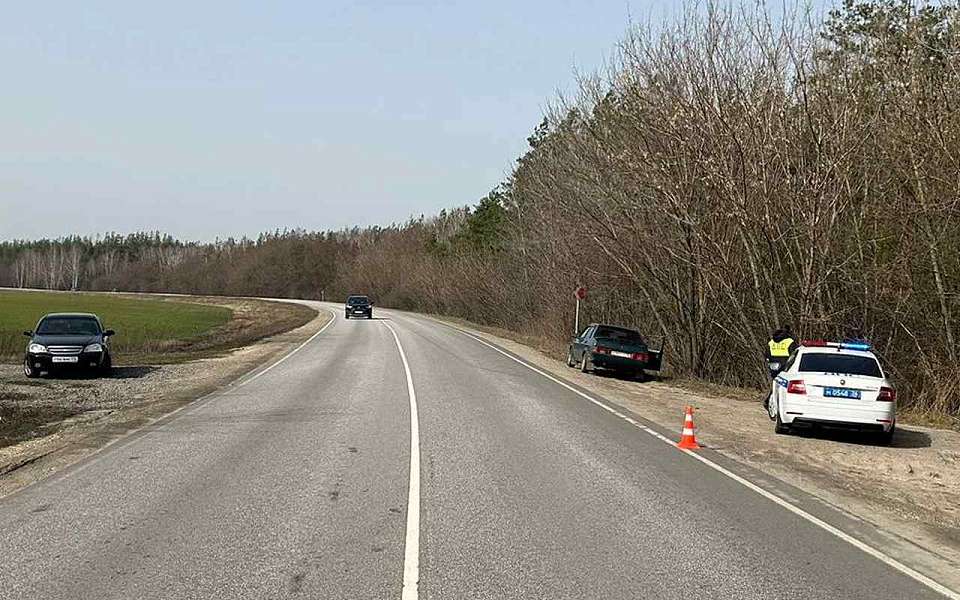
[{"x": 843, "y": 345}]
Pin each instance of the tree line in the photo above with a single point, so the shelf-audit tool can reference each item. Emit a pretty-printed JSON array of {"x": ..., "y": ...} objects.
[{"x": 727, "y": 173}]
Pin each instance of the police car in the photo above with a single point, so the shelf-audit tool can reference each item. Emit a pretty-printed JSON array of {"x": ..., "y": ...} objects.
[{"x": 835, "y": 385}]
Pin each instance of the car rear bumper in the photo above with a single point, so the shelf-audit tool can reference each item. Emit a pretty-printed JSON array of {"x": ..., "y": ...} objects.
[
  {"x": 802, "y": 422},
  {"x": 615, "y": 363},
  {"x": 871, "y": 416}
]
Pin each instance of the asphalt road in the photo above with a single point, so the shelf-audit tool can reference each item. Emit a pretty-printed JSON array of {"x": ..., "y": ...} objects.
[{"x": 296, "y": 484}]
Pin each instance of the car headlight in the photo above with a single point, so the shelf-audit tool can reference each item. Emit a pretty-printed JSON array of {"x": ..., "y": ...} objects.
[
  {"x": 36, "y": 349},
  {"x": 93, "y": 348}
]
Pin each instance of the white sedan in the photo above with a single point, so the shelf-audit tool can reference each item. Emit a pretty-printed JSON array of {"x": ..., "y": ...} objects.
[{"x": 835, "y": 385}]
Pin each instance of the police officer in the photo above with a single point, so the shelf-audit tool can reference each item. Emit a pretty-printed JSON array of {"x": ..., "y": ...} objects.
[{"x": 779, "y": 347}]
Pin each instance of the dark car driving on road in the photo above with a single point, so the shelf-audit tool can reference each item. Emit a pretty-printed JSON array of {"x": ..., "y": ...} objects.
[
  {"x": 613, "y": 348},
  {"x": 60, "y": 340},
  {"x": 358, "y": 306}
]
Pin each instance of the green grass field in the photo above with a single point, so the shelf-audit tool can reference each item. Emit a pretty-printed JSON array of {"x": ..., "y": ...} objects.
[{"x": 143, "y": 326}]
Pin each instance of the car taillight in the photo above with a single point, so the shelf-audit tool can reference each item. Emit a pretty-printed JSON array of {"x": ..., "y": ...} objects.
[
  {"x": 601, "y": 350},
  {"x": 887, "y": 395},
  {"x": 796, "y": 387},
  {"x": 641, "y": 356}
]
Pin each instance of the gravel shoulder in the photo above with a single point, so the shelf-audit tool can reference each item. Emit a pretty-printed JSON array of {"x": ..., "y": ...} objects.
[
  {"x": 60, "y": 420},
  {"x": 911, "y": 489}
]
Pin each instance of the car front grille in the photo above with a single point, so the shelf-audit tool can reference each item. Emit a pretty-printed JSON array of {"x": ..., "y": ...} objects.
[{"x": 65, "y": 350}]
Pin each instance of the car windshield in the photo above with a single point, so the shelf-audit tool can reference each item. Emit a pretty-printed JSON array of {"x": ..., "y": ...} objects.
[
  {"x": 68, "y": 326},
  {"x": 846, "y": 364},
  {"x": 357, "y": 300},
  {"x": 624, "y": 336}
]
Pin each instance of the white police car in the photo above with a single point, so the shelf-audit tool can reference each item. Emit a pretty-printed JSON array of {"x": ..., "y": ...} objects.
[{"x": 835, "y": 385}]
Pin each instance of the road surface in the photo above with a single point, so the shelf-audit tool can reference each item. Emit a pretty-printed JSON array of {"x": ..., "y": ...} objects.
[{"x": 296, "y": 484}]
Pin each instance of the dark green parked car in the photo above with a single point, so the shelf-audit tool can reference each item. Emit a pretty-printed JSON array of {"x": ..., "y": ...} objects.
[{"x": 613, "y": 348}]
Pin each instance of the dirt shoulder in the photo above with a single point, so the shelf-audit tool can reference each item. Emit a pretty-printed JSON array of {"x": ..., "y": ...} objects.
[
  {"x": 53, "y": 422},
  {"x": 911, "y": 488},
  {"x": 252, "y": 320}
]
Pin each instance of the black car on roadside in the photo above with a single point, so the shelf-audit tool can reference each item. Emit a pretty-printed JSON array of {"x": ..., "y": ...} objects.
[
  {"x": 68, "y": 340},
  {"x": 358, "y": 306},
  {"x": 613, "y": 348}
]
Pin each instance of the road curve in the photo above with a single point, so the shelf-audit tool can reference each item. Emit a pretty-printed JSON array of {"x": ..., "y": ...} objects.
[{"x": 296, "y": 483}]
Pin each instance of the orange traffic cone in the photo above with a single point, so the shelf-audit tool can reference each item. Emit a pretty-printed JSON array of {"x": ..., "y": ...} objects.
[{"x": 688, "y": 438}]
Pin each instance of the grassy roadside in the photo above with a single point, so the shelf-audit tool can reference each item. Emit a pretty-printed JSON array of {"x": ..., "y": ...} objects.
[
  {"x": 251, "y": 320},
  {"x": 143, "y": 325},
  {"x": 154, "y": 333},
  {"x": 153, "y": 329}
]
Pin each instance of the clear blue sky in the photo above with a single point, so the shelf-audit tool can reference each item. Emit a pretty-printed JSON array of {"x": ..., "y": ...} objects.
[{"x": 206, "y": 119}]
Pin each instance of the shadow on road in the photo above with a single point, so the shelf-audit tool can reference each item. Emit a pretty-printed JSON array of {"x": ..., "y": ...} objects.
[
  {"x": 903, "y": 438},
  {"x": 127, "y": 372},
  {"x": 909, "y": 438},
  {"x": 635, "y": 378}
]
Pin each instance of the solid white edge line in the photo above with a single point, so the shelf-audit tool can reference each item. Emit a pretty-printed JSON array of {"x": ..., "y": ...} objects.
[
  {"x": 333, "y": 317},
  {"x": 411, "y": 553},
  {"x": 72, "y": 470},
  {"x": 890, "y": 561}
]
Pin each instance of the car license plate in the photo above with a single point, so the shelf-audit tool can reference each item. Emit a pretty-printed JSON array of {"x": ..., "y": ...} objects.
[
  {"x": 65, "y": 359},
  {"x": 621, "y": 354},
  {"x": 832, "y": 392}
]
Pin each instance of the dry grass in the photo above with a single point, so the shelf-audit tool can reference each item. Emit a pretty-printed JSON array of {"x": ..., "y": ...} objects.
[{"x": 153, "y": 329}]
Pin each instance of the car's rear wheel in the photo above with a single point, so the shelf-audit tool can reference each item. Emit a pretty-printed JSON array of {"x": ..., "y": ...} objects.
[
  {"x": 346, "y": 316},
  {"x": 773, "y": 409},
  {"x": 780, "y": 427},
  {"x": 29, "y": 370},
  {"x": 585, "y": 366}
]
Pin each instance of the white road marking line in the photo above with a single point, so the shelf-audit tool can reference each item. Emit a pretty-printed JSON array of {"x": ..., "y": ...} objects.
[
  {"x": 411, "y": 554},
  {"x": 333, "y": 317},
  {"x": 888, "y": 560},
  {"x": 71, "y": 471}
]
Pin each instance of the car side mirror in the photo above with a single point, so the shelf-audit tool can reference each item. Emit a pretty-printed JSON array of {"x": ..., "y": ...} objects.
[
  {"x": 109, "y": 333},
  {"x": 28, "y": 333}
]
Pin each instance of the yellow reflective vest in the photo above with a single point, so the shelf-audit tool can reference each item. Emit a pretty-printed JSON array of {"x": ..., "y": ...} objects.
[{"x": 780, "y": 349}]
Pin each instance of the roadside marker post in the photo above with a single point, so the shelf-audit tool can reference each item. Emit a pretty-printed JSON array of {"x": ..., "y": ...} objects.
[{"x": 580, "y": 294}]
